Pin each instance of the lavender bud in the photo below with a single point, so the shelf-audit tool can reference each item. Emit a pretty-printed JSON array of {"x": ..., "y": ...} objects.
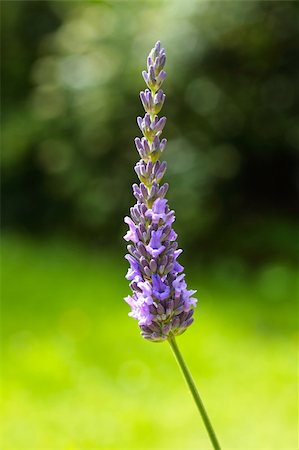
[{"x": 158, "y": 101}]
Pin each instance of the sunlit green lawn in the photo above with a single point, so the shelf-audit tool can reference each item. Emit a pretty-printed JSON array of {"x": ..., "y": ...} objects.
[{"x": 77, "y": 375}]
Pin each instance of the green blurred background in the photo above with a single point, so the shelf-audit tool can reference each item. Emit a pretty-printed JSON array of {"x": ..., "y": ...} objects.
[{"x": 76, "y": 373}]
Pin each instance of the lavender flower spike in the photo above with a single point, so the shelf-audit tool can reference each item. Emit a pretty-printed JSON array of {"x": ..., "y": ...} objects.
[{"x": 160, "y": 300}]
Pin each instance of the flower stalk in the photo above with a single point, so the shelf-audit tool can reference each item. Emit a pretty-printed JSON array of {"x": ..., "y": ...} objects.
[
  {"x": 194, "y": 392},
  {"x": 160, "y": 300}
]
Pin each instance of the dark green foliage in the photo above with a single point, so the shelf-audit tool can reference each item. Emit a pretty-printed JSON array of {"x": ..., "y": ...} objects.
[{"x": 71, "y": 76}]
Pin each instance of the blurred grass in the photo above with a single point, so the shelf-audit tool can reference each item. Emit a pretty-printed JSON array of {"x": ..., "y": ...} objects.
[{"x": 78, "y": 376}]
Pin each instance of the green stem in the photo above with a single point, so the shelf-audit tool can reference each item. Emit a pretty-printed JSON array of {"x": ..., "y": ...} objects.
[{"x": 194, "y": 392}]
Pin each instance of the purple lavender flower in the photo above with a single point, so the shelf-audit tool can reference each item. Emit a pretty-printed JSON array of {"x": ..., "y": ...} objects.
[{"x": 160, "y": 300}]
